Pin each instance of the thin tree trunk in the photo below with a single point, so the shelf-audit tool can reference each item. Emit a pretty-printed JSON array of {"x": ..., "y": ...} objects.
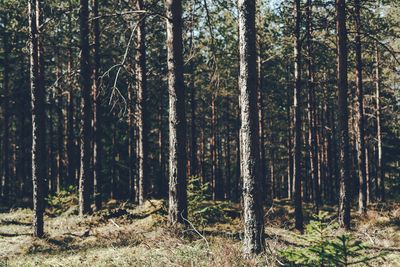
[
  {"x": 4, "y": 182},
  {"x": 228, "y": 180},
  {"x": 379, "y": 168},
  {"x": 264, "y": 189},
  {"x": 344, "y": 197},
  {"x": 97, "y": 146},
  {"x": 86, "y": 172},
  {"x": 162, "y": 184},
  {"x": 71, "y": 178},
  {"x": 254, "y": 241},
  {"x": 38, "y": 119},
  {"x": 297, "y": 120},
  {"x": 142, "y": 114},
  {"x": 290, "y": 137},
  {"x": 131, "y": 145},
  {"x": 193, "y": 138},
  {"x": 177, "y": 118},
  {"x": 361, "y": 156},
  {"x": 213, "y": 149},
  {"x": 312, "y": 109}
]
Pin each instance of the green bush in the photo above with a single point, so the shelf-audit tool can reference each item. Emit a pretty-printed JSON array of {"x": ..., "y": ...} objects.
[
  {"x": 201, "y": 210},
  {"x": 322, "y": 247},
  {"x": 64, "y": 201}
]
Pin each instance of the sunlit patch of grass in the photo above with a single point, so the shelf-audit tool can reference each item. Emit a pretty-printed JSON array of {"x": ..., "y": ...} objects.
[{"x": 126, "y": 235}]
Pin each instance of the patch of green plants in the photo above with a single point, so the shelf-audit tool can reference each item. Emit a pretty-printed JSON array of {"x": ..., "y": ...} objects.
[
  {"x": 64, "y": 201},
  {"x": 201, "y": 210},
  {"x": 323, "y": 247}
]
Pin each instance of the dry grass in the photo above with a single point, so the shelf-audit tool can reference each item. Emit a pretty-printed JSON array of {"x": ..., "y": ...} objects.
[{"x": 122, "y": 235}]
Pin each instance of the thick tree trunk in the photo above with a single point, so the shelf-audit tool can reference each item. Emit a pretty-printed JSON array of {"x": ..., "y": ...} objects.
[
  {"x": 344, "y": 197},
  {"x": 177, "y": 118},
  {"x": 361, "y": 156},
  {"x": 38, "y": 119},
  {"x": 86, "y": 171},
  {"x": 97, "y": 146},
  {"x": 380, "y": 175},
  {"x": 254, "y": 241},
  {"x": 297, "y": 120}
]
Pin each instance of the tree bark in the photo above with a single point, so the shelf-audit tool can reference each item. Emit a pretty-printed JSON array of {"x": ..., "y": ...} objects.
[
  {"x": 71, "y": 178},
  {"x": 344, "y": 197},
  {"x": 312, "y": 117},
  {"x": 142, "y": 115},
  {"x": 297, "y": 120},
  {"x": 38, "y": 118},
  {"x": 361, "y": 156},
  {"x": 97, "y": 146},
  {"x": 254, "y": 241},
  {"x": 5, "y": 179},
  {"x": 177, "y": 118},
  {"x": 380, "y": 175},
  {"x": 86, "y": 171}
]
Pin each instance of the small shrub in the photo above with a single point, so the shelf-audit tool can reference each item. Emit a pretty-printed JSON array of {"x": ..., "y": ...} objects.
[
  {"x": 65, "y": 200},
  {"x": 322, "y": 247},
  {"x": 201, "y": 211}
]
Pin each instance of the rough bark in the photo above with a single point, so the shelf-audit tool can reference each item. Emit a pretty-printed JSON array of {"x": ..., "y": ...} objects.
[
  {"x": 177, "y": 118},
  {"x": 344, "y": 158},
  {"x": 38, "y": 119},
  {"x": 254, "y": 241},
  {"x": 86, "y": 170}
]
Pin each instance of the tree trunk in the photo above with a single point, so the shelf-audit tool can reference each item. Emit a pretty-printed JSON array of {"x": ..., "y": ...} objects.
[
  {"x": 379, "y": 168},
  {"x": 266, "y": 194},
  {"x": 312, "y": 117},
  {"x": 254, "y": 241},
  {"x": 97, "y": 146},
  {"x": 297, "y": 120},
  {"x": 142, "y": 115},
  {"x": 290, "y": 137},
  {"x": 5, "y": 179},
  {"x": 38, "y": 118},
  {"x": 71, "y": 178},
  {"x": 344, "y": 197},
  {"x": 86, "y": 172},
  {"x": 193, "y": 140},
  {"x": 361, "y": 156},
  {"x": 177, "y": 118}
]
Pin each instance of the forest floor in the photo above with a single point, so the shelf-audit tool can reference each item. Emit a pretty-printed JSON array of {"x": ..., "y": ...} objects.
[{"x": 123, "y": 235}]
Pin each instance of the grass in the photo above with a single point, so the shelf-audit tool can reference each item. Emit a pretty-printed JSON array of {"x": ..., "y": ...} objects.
[{"x": 124, "y": 235}]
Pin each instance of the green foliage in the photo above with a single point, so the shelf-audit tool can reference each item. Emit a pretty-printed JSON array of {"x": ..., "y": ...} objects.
[
  {"x": 65, "y": 200},
  {"x": 202, "y": 211},
  {"x": 324, "y": 248}
]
